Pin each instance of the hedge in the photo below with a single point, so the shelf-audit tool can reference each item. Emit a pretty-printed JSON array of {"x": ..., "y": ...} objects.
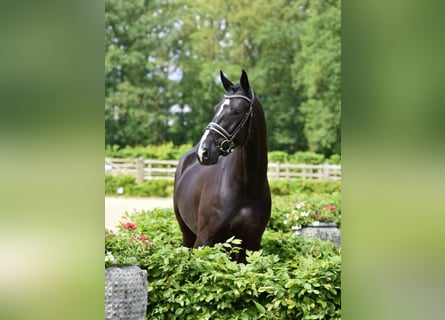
[
  {"x": 292, "y": 277},
  {"x": 168, "y": 151},
  {"x": 127, "y": 186},
  {"x": 164, "y": 187}
]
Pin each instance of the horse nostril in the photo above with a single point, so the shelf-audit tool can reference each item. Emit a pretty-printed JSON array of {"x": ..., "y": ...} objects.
[{"x": 205, "y": 154}]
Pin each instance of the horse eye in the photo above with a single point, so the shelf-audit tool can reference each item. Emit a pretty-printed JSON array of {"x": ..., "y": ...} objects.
[{"x": 236, "y": 112}]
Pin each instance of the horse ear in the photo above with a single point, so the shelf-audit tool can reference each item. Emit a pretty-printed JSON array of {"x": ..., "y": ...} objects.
[
  {"x": 226, "y": 82},
  {"x": 245, "y": 81}
]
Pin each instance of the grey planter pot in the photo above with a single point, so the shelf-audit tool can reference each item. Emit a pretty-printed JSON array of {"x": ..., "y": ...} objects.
[
  {"x": 125, "y": 293},
  {"x": 323, "y": 231}
]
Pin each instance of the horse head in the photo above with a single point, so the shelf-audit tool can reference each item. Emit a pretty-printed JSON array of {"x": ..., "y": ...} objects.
[{"x": 231, "y": 123}]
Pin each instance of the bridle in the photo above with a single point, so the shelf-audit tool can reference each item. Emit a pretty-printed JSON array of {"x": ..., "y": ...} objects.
[{"x": 227, "y": 145}]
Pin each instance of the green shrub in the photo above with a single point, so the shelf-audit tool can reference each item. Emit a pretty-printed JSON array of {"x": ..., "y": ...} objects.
[
  {"x": 113, "y": 182},
  {"x": 164, "y": 187},
  {"x": 280, "y": 188},
  {"x": 112, "y": 151},
  {"x": 335, "y": 159},
  {"x": 152, "y": 188},
  {"x": 278, "y": 156},
  {"x": 109, "y": 184},
  {"x": 147, "y": 188},
  {"x": 306, "y": 157},
  {"x": 284, "y": 209},
  {"x": 307, "y": 208},
  {"x": 166, "y": 151},
  {"x": 318, "y": 186},
  {"x": 290, "y": 278},
  {"x": 283, "y": 187},
  {"x": 281, "y": 205}
]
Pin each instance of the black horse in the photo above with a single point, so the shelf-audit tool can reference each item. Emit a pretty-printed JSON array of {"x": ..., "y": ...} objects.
[{"x": 216, "y": 197}]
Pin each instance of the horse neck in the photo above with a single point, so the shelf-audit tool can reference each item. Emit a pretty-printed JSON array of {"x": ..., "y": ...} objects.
[{"x": 252, "y": 157}]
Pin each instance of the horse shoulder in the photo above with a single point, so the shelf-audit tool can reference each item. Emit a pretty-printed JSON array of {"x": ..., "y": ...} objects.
[{"x": 186, "y": 160}]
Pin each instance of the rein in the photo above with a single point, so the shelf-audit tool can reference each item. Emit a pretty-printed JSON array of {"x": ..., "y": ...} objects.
[{"x": 227, "y": 145}]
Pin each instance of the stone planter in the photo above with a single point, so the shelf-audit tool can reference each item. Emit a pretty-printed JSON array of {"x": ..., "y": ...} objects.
[
  {"x": 323, "y": 231},
  {"x": 125, "y": 293}
]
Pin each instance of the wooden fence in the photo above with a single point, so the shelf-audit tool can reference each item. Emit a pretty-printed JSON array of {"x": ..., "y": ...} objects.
[{"x": 148, "y": 169}]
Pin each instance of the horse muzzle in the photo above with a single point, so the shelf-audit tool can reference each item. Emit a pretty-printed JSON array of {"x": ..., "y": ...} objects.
[
  {"x": 207, "y": 152},
  {"x": 205, "y": 157}
]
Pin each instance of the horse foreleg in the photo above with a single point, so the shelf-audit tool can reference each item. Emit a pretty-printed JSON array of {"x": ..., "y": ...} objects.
[
  {"x": 188, "y": 237},
  {"x": 202, "y": 241},
  {"x": 240, "y": 256},
  {"x": 252, "y": 243}
]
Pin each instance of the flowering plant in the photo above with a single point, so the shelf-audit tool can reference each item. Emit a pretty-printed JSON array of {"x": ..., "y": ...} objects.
[
  {"x": 124, "y": 245},
  {"x": 305, "y": 213}
]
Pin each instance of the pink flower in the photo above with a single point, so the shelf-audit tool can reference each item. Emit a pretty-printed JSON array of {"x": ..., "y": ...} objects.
[
  {"x": 330, "y": 207},
  {"x": 144, "y": 240},
  {"x": 129, "y": 226}
]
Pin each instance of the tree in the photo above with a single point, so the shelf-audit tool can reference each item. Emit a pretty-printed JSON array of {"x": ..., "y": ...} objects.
[
  {"x": 317, "y": 72},
  {"x": 277, "y": 42},
  {"x": 137, "y": 66}
]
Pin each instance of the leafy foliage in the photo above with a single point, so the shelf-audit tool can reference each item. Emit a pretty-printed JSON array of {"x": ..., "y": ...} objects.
[
  {"x": 164, "y": 188},
  {"x": 169, "y": 151},
  {"x": 317, "y": 69},
  {"x": 278, "y": 156},
  {"x": 286, "y": 209},
  {"x": 315, "y": 208},
  {"x": 128, "y": 187},
  {"x": 283, "y": 188},
  {"x": 307, "y": 157},
  {"x": 165, "y": 151},
  {"x": 135, "y": 110},
  {"x": 290, "y": 278}
]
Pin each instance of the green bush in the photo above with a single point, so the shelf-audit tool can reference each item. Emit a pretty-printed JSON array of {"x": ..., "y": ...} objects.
[
  {"x": 281, "y": 205},
  {"x": 282, "y": 187},
  {"x": 113, "y": 182},
  {"x": 335, "y": 159},
  {"x": 284, "y": 209},
  {"x": 315, "y": 207},
  {"x": 318, "y": 186},
  {"x": 164, "y": 187},
  {"x": 147, "y": 188},
  {"x": 166, "y": 151},
  {"x": 306, "y": 157},
  {"x": 278, "y": 156},
  {"x": 152, "y": 188},
  {"x": 290, "y": 278}
]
